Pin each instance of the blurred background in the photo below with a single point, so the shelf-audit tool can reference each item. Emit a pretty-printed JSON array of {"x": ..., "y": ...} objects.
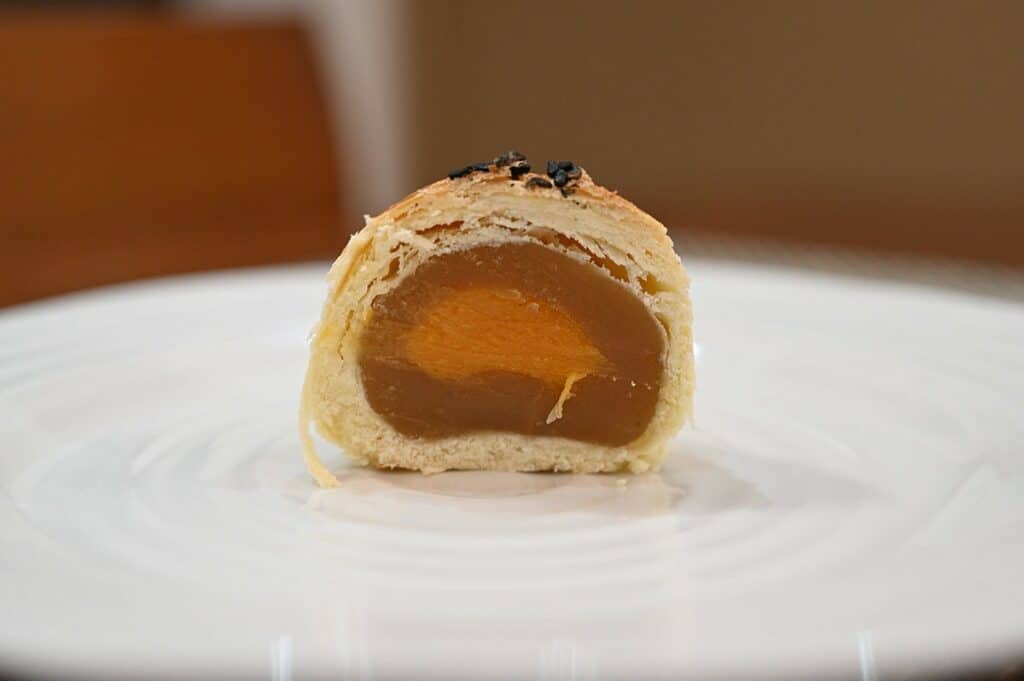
[{"x": 149, "y": 137}]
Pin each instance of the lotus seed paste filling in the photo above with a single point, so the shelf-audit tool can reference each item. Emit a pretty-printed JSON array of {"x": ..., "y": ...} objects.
[{"x": 517, "y": 338}]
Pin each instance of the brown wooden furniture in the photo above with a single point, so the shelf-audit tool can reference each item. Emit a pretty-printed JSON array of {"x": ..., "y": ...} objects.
[{"x": 150, "y": 144}]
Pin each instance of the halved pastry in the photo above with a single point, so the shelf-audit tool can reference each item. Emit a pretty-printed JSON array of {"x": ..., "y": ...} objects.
[{"x": 503, "y": 319}]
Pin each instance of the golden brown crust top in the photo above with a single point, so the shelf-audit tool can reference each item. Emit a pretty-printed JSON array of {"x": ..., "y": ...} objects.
[{"x": 482, "y": 180}]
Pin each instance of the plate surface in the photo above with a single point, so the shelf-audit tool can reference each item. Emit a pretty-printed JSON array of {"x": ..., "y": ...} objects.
[{"x": 851, "y": 501}]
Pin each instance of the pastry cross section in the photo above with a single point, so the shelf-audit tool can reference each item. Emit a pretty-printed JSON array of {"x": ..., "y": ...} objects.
[{"x": 513, "y": 337}]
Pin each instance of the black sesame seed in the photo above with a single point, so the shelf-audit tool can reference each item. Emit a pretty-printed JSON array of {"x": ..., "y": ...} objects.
[
  {"x": 538, "y": 182},
  {"x": 483, "y": 167},
  {"x": 508, "y": 158},
  {"x": 519, "y": 168},
  {"x": 574, "y": 173},
  {"x": 555, "y": 166},
  {"x": 567, "y": 191},
  {"x": 561, "y": 179},
  {"x": 460, "y": 172}
]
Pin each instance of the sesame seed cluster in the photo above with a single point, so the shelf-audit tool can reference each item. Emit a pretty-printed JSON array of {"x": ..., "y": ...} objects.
[{"x": 562, "y": 174}]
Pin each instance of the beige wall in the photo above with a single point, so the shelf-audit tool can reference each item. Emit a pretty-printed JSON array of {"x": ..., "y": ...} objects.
[{"x": 880, "y": 124}]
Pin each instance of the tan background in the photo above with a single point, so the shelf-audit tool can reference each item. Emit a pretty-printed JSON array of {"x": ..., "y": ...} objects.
[
  {"x": 879, "y": 124},
  {"x": 139, "y": 143}
]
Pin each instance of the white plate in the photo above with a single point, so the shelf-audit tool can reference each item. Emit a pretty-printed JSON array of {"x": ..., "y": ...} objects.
[{"x": 851, "y": 501}]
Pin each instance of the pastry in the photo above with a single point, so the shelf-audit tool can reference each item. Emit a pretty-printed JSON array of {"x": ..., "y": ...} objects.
[{"x": 503, "y": 319}]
